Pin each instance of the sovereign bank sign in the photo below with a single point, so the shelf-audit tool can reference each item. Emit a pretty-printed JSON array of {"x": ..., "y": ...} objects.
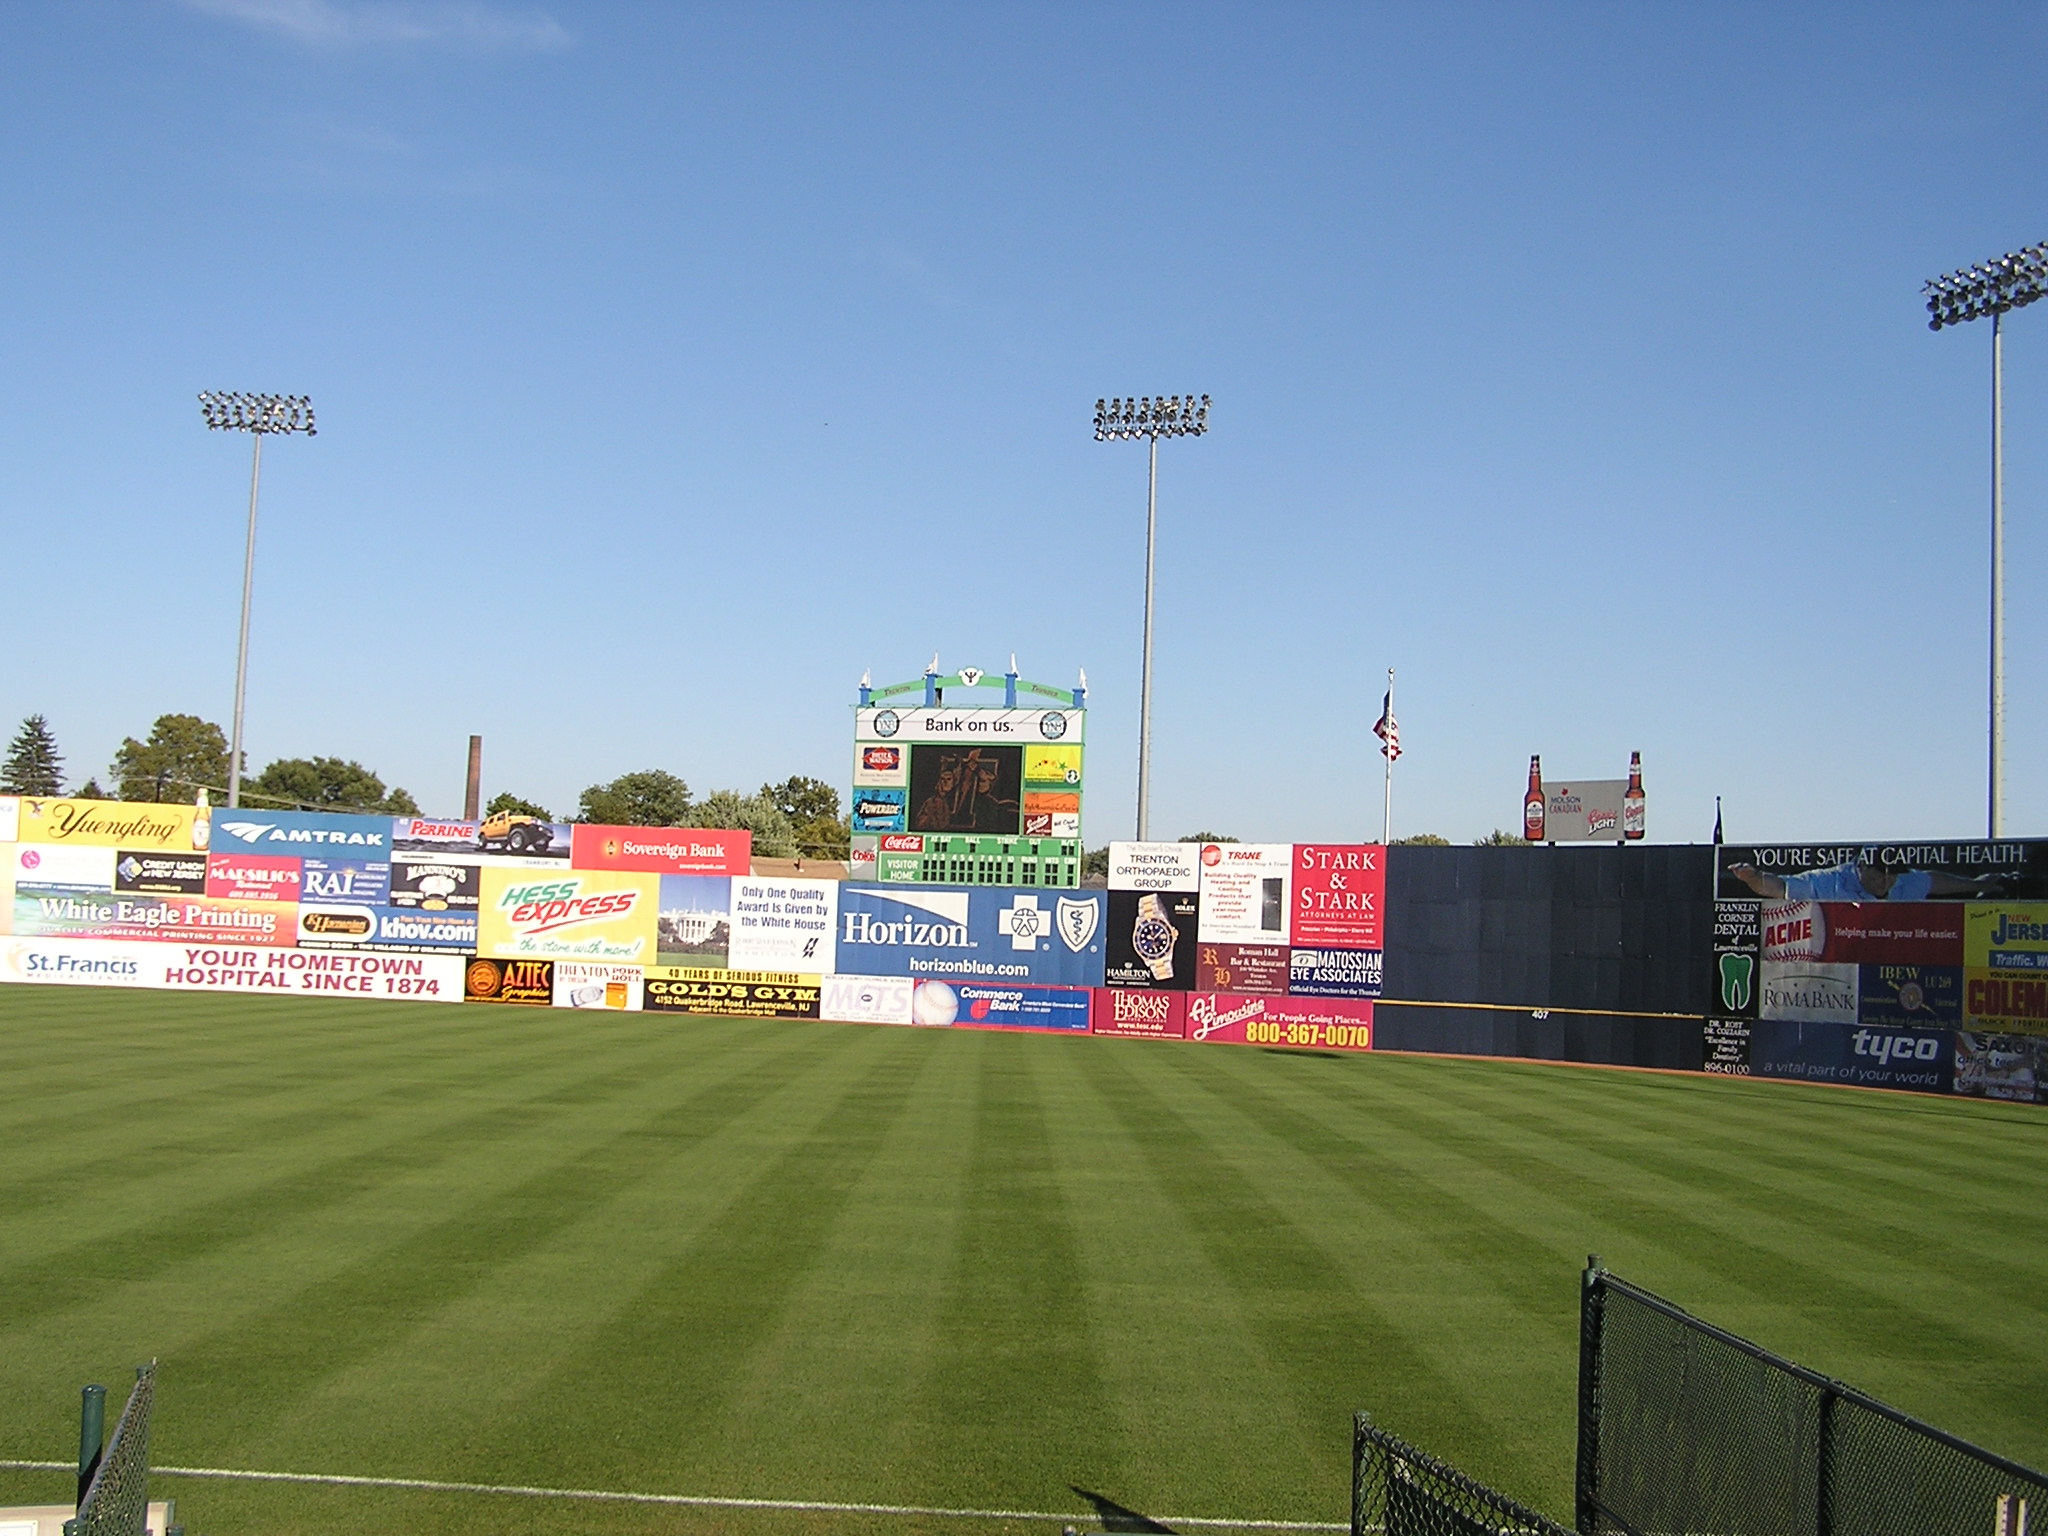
[{"x": 971, "y": 934}]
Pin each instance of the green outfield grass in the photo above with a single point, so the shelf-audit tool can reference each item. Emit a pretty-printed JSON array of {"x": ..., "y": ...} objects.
[{"x": 964, "y": 1269}]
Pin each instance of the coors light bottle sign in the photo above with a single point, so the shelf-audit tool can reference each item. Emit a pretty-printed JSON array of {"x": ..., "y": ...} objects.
[{"x": 1585, "y": 810}]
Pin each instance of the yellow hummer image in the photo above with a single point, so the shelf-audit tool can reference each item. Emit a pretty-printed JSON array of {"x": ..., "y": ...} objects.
[{"x": 510, "y": 833}]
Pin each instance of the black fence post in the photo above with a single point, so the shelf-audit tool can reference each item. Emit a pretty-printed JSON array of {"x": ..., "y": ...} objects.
[
  {"x": 92, "y": 1431},
  {"x": 1592, "y": 1310},
  {"x": 1360, "y": 1422},
  {"x": 1824, "y": 1473}
]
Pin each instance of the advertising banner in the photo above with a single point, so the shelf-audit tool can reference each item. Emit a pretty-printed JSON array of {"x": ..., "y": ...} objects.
[
  {"x": 435, "y": 884},
  {"x": 975, "y": 934},
  {"x": 1151, "y": 938},
  {"x": 566, "y": 914},
  {"x": 298, "y": 833},
  {"x": 881, "y": 767},
  {"x": 732, "y": 994},
  {"x": 156, "y": 874},
  {"x": 1340, "y": 894},
  {"x": 1585, "y": 810},
  {"x": 345, "y": 880},
  {"x": 1999, "y": 938},
  {"x": 1155, "y": 866},
  {"x": 966, "y": 788},
  {"x": 1261, "y": 968},
  {"x": 231, "y": 968},
  {"x": 860, "y": 858},
  {"x": 1335, "y": 973},
  {"x": 866, "y": 999},
  {"x": 58, "y": 868},
  {"x": 978, "y": 1005},
  {"x": 1245, "y": 892},
  {"x": 1299, "y": 1023},
  {"x": 662, "y": 850},
  {"x": 10, "y": 818},
  {"x": 971, "y": 726},
  {"x": 529, "y": 983},
  {"x": 1866, "y": 933},
  {"x": 2012, "y": 1002},
  {"x": 108, "y": 824},
  {"x": 252, "y": 877},
  {"x": 879, "y": 810},
  {"x": 1994, "y": 1066},
  {"x": 583, "y": 984},
  {"x": 784, "y": 925},
  {"x": 166, "y": 919},
  {"x": 1738, "y": 938},
  {"x": 695, "y": 921},
  {"x": 1902, "y": 996},
  {"x": 1146, "y": 1015},
  {"x": 1818, "y": 991},
  {"x": 1051, "y": 767},
  {"x": 1727, "y": 1046},
  {"x": 1981, "y": 871},
  {"x": 1919, "y": 1059},
  {"x": 359, "y": 926}
]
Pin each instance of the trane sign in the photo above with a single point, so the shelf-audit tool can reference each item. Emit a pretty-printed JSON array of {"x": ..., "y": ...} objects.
[{"x": 935, "y": 919}]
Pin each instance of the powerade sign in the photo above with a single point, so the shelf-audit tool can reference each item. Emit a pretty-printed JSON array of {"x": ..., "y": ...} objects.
[
  {"x": 240, "y": 830},
  {"x": 1919, "y": 1059},
  {"x": 1048, "y": 937}
]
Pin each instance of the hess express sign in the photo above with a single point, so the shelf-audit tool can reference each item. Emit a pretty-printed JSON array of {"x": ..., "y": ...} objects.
[{"x": 573, "y": 915}]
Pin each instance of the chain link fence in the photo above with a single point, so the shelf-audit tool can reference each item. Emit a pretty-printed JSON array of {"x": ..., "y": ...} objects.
[
  {"x": 117, "y": 1501},
  {"x": 1684, "y": 1427},
  {"x": 1397, "y": 1490}
]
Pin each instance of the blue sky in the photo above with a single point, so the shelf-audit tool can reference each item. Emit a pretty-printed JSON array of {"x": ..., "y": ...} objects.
[{"x": 674, "y": 365}]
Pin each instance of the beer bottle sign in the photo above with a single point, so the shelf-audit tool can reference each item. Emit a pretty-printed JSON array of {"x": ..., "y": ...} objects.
[
  {"x": 1532, "y": 802},
  {"x": 1633, "y": 816}
]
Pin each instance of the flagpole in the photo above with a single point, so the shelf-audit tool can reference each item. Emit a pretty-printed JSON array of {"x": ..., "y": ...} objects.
[{"x": 1387, "y": 814}]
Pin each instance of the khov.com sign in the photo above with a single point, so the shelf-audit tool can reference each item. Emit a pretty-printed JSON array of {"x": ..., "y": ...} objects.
[{"x": 979, "y": 933}]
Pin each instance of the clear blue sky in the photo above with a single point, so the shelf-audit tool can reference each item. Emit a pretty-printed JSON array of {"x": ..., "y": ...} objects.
[{"x": 676, "y": 364}]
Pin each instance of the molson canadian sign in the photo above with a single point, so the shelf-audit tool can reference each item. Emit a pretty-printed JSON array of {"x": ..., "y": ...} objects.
[
  {"x": 567, "y": 914},
  {"x": 110, "y": 824}
]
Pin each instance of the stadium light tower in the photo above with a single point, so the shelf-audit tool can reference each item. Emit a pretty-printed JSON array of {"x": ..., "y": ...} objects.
[
  {"x": 1151, "y": 418},
  {"x": 259, "y": 416},
  {"x": 1991, "y": 288}
]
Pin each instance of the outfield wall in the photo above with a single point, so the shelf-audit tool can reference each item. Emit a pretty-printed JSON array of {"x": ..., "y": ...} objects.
[{"x": 1921, "y": 966}]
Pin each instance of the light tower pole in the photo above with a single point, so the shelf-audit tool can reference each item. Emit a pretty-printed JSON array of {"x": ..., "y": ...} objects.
[
  {"x": 1991, "y": 288},
  {"x": 259, "y": 416},
  {"x": 1149, "y": 417}
]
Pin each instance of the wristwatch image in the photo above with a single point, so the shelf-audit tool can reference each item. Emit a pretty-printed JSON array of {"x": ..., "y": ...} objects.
[{"x": 1153, "y": 936}]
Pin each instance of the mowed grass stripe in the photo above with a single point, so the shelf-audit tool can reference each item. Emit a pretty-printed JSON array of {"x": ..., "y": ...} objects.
[
  {"x": 225, "y": 1096},
  {"x": 1310, "y": 1293},
  {"x": 478, "y": 1355},
  {"x": 1193, "y": 1389},
  {"x": 712, "y": 1298},
  {"x": 151, "y": 1223}
]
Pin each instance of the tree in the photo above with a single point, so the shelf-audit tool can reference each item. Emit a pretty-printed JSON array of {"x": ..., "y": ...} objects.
[
  {"x": 651, "y": 798},
  {"x": 812, "y": 807},
  {"x": 1095, "y": 861},
  {"x": 90, "y": 790},
  {"x": 774, "y": 837},
  {"x": 1421, "y": 840},
  {"x": 1499, "y": 839},
  {"x": 34, "y": 766},
  {"x": 325, "y": 784},
  {"x": 183, "y": 754},
  {"x": 1207, "y": 837},
  {"x": 513, "y": 805}
]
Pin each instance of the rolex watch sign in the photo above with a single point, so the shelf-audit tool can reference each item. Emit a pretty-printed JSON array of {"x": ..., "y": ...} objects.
[{"x": 1154, "y": 911}]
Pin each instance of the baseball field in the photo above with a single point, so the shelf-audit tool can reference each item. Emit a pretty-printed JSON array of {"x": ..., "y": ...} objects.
[{"x": 1076, "y": 1279}]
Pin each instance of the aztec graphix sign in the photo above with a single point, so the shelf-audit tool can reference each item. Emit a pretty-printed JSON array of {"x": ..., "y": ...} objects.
[
  {"x": 926, "y": 760},
  {"x": 1875, "y": 955}
]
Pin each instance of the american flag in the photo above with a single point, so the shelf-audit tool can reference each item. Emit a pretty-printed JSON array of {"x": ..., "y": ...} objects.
[{"x": 1387, "y": 731}]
